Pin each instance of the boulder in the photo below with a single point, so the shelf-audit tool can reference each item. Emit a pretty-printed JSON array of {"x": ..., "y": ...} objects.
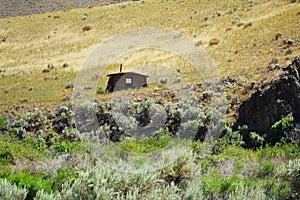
[{"x": 271, "y": 102}]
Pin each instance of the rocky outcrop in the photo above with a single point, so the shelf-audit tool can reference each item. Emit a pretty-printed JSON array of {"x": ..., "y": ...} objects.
[{"x": 272, "y": 101}]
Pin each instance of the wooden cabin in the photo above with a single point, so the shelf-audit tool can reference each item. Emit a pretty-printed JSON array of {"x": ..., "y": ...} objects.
[{"x": 125, "y": 80}]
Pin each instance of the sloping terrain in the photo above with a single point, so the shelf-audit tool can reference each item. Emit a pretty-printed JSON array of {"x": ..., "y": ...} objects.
[
  {"x": 239, "y": 141},
  {"x": 15, "y": 8},
  {"x": 270, "y": 102},
  {"x": 250, "y": 34}
]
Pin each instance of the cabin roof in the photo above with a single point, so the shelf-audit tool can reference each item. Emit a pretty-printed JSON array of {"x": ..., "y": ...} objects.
[{"x": 122, "y": 73}]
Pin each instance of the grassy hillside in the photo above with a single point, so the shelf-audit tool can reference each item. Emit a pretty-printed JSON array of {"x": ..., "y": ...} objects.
[
  {"x": 28, "y": 7},
  {"x": 246, "y": 30},
  {"x": 182, "y": 148}
]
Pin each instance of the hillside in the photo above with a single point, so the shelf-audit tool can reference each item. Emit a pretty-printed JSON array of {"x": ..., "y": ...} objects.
[
  {"x": 246, "y": 30},
  {"x": 24, "y": 7},
  {"x": 219, "y": 118}
]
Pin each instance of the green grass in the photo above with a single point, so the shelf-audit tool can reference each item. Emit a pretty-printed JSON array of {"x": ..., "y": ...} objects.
[
  {"x": 12, "y": 149},
  {"x": 35, "y": 87},
  {"x": 146, "y": 145}
]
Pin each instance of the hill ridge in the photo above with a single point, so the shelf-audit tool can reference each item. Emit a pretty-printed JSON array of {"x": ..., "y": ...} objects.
[{"x": 14, "y": 8}]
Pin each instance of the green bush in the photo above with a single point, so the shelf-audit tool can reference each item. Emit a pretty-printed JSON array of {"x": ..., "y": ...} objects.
[
  {"x": 237, "y": 153},
  {"x": 10, "y": 191},
  {"x": 227, "y": 138},
  {"x": 182, "y": 178},
  {"x": 212, "y": 186},
  {"x": 218, "y": 186},
  {"x": 66, "y": 146},
  {"x": 232, "y": 173},
  {"x": 256, "y": 140},
  {"x": 281, "y": 129},
  {"x": 33, "y": 183}
]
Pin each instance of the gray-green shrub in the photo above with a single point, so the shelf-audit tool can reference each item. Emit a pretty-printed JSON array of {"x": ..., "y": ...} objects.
[
  {"x": 10, "y": 191},
  {"x": 291, "y": 172},
  {"x": 42, "y": 195},
  {"x": 244, "y": 192},
  {"x": 171, "y": 182}
]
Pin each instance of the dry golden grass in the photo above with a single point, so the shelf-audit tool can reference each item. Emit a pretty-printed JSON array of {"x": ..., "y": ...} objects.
[{"x": 246, "y": 32}]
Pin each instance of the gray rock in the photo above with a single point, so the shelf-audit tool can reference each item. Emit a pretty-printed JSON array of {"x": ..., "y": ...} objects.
[{"x": 272, "y": 101}]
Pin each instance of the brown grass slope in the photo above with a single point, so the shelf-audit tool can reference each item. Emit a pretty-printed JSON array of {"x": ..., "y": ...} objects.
[{"x": 246, "y": 31}]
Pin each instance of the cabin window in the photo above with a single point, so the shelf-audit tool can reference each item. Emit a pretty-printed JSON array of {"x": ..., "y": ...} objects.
[{"x": 128, "y": 80}]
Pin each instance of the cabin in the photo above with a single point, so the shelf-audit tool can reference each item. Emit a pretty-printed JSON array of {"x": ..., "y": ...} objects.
[{"x": 125, "y": 80}]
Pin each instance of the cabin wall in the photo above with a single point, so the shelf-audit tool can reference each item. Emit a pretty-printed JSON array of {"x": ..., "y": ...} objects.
[
  {"x": 118, "y": 82},
  {"x": 139, "y": 81},
  {"x": 112, "y": 82}
]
